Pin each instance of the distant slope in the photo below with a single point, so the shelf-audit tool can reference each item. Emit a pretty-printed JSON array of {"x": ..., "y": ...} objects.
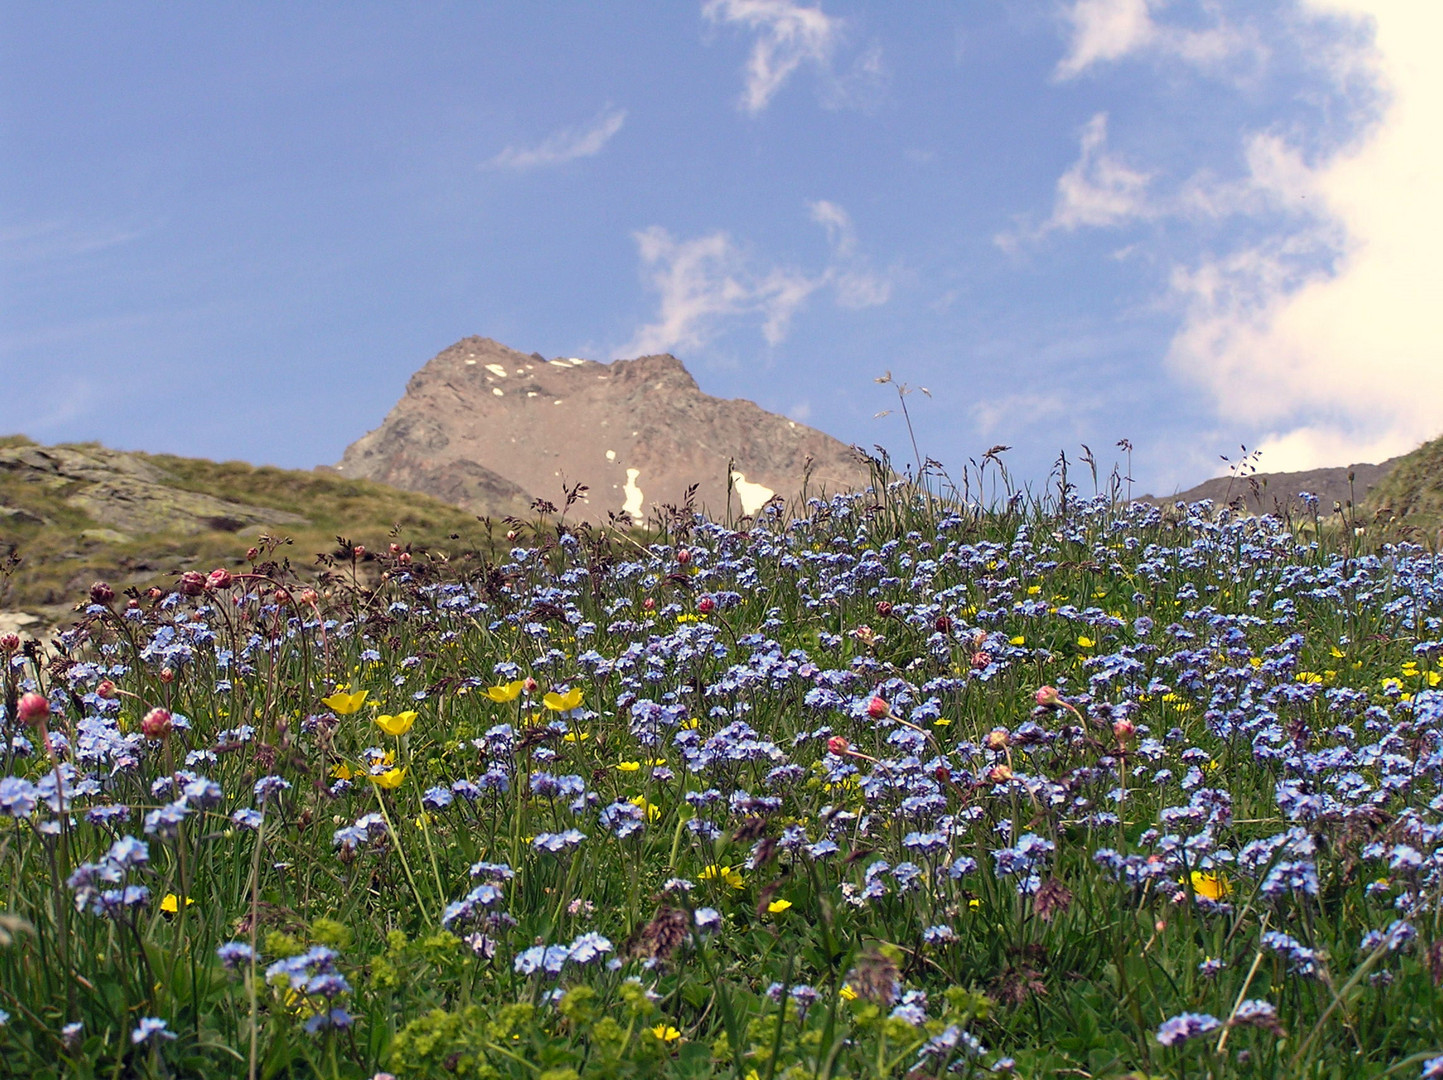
[
  {"x": 1277, "y": 493},
  {"x": 1413, "y": 491},
  {"x": 75, "y": 513}
]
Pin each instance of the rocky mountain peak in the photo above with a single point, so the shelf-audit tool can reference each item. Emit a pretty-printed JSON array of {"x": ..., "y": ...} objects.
[{"x": 490, "y": 429}]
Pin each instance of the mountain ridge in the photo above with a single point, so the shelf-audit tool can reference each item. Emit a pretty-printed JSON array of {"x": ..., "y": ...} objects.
[{"x": 488, "y": 422}]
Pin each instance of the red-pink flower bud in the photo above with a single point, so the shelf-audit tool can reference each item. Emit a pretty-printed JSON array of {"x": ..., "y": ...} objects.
[
  {"x": 980, "y": 660},
  {"x": 683, "y": 556},
  {"x": 838, "y": 745},
  {"x": 1123, "y": 730},
  {"x": 648, "y": 604},
  {"x": 219, "y": 578},
  {"x": 360, "y": 551},
  {"x": 10, "y": 643},
  {"x": 106, "y": 689},
  {"x": 878, "y": 709},
  {"x": 998, "y": 739},
  {"x": 530, "y": 685},
  {"x": 942, "y": 624},
  {"x": 101, "y": 593},
  {"x": 999, "y": 774},
  {"x": 1048, "y": 697},
  {"x": 156, "y": 724},
  {"x": 307, "y": 596},
  {"x": 252, "y": 554},
  {"x": 192, "y": 583},
  {"x": 884, "y": 608},
  {"x": 167, "y": 675},
  {"x": 706, "y": 605},
  {"x": 31, "y": 709}
]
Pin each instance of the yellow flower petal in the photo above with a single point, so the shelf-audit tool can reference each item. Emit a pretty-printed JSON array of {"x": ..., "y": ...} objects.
[
  {"x": 562, "y": 702},
  {"x": 396, "y": 725},
  {"x": 665, "y": 1032},
  {"x": 628, "y": 766},
  {"x": 170, "y": 903},
  {"x": 1213, "y": 886},
  {"x": 344, "y": 704},
  {"x": 391, "y": 778},
  {"x": 776, "y": 907},
  {"x": 506, "y": 692}
]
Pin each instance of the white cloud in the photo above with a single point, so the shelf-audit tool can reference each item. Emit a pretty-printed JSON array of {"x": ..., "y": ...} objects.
[
  {"x": 1000, "y": 415},
  {"x": 1338, "y": 359},
  {"x": 565, "y": 145},
  {"x": 1104, "y": 31},
  {"x": 1098, "y": 190},
  {"x": 707, "y": 281},
  {"x": 788, "y": 35},
  {"x": 838, "y": 223}
]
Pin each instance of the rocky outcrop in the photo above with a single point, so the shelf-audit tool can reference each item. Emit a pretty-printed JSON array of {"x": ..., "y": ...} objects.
[
  {"x": 128, "y": 495},
  {"x": 491, "y": 429}
]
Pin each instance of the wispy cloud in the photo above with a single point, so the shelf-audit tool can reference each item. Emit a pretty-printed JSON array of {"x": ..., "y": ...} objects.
[
  {"x": 706, "y": 280},
  {"x": 1097, "y": 190},
  {"x": 709, "y": 281},
  {"x": 1105, "y": 31},
  {"x": 565, "y": 145},
  {"x": 838, "y": 223},
  {"x": 47, "y": 241},
  {"x": 789, "y": 35},
  {"x": 1324, "y": 335}
]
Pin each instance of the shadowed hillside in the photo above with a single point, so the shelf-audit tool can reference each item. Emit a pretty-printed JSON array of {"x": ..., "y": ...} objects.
[
  {"x": 75, "y": 513},
  {"x": 1412, "y": 492}
]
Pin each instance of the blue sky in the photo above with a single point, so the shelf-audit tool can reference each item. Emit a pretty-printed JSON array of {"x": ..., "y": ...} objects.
[{"x": 235, "y": 230}]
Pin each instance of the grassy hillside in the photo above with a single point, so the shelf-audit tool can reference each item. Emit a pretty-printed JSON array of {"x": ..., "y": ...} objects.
[
  {"x": 57, "y": 527},
  {"x": 1413, "y": 491}
]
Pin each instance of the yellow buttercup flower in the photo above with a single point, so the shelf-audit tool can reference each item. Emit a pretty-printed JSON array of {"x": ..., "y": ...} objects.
[
  {"x": 341, "y": 771},
  {"x": 722, "y": 873},
  {"x": 170, "y": 903},
  {"x": 666, "y": 1033},
  {"x": 776, "y": 907},
  {"x": 1018, "y": 640},
  {"x": 344, "y": 704},
  {"x": 391, "y": 778},
  {"x": 396, "y": 725},
  {"x": 628, "y": 766},
  {"x": 1213, "y": 886},
  {"x": 562, "y": 702},
  {"x": 576, "y": 736},
  {"x": 1085, "y": 642},
  {"x": 506, "y": 691},
  {"x": 847, "y": 993},
  {"x": 652, "y": 811}
]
